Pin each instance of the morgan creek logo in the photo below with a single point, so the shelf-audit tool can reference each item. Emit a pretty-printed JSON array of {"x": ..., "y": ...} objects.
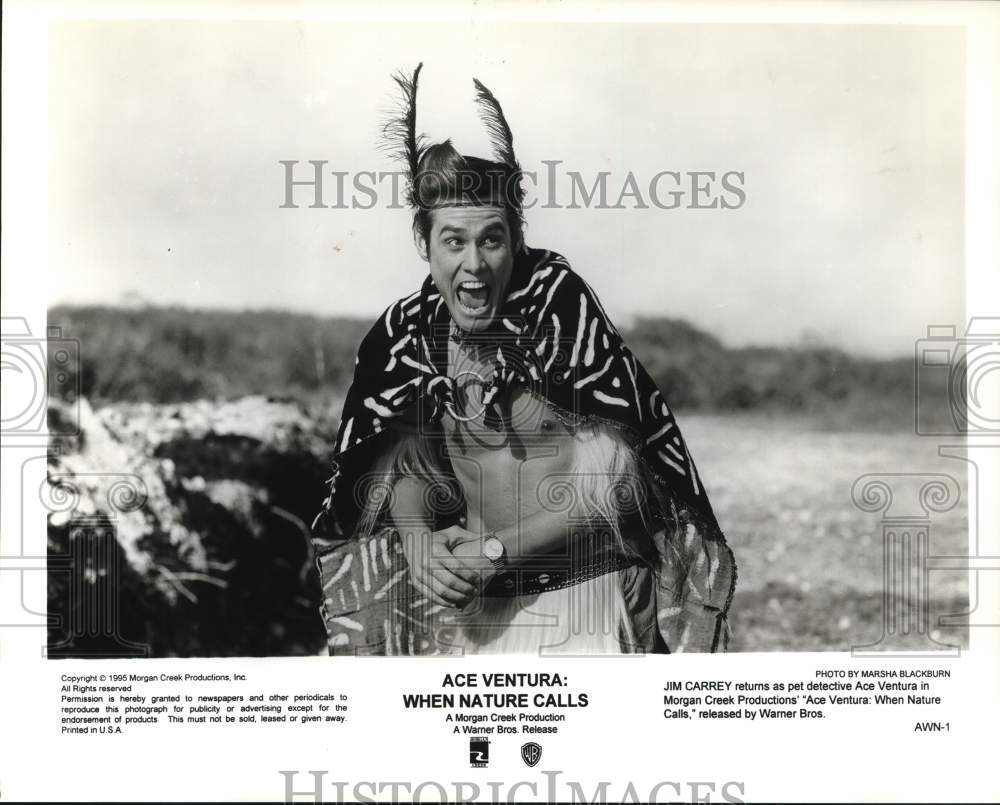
[
  {"x": 531, "y": 753},
  {"x": 479, "y": 752}
]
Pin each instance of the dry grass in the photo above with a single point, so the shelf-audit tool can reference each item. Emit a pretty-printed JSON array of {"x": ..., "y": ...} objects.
[{"x": 811, "y": 562}]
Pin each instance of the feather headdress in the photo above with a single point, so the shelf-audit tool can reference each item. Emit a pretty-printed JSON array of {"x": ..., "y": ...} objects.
[
  {"x": 399, "y": 134},
  {"x": 400, "y": 139},
  {"x": 501, "y": 137}
]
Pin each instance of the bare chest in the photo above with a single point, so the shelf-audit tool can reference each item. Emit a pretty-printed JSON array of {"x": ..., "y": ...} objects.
[
  {"x": 525, "y": 420},
  {"x": 502, "y": 471}
]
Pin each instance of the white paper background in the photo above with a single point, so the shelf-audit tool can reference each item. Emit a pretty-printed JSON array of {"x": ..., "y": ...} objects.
[{"x": 869, "y": 754}]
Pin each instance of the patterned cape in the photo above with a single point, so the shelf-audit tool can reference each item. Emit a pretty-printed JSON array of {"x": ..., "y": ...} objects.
[{"x": 554, "y": 339}]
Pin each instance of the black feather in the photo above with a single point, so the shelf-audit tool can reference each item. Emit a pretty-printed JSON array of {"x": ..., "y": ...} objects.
[
  {"x": 496, "y": 124},
  {"x": 399, "y": 133},
  {"x": 501, "y": 137}
]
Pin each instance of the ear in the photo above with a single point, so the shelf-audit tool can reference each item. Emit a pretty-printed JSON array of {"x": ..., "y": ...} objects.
[
  {"x": 420, "y": 242},
  {"x": 517, "y": 239},
  {"x": 515, "y": 228}
]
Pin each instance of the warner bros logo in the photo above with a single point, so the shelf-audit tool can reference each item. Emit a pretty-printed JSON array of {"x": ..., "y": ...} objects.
[
  {"x": 479, "y": 751},
  {"x": 531, "y": 753}
]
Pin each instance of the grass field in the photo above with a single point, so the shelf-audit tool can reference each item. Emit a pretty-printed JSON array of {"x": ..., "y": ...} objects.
[{"x": 810, "y": 560}]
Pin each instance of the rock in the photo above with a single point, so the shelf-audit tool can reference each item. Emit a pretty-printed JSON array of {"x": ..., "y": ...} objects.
[{"x": 200, "y": 514}]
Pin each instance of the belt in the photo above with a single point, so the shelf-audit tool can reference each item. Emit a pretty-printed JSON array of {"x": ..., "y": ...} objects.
[{"x": 533, "y": 578}]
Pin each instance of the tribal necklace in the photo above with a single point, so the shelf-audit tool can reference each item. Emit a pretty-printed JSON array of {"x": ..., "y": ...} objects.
[
  {"x": 471, "y": 370},
  {"x": 458, "y": 335},
  {"x": 468, "y": 348}
]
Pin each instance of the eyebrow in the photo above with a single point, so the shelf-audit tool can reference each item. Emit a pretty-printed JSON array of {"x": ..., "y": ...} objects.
[{"x": 458, "y": 230}]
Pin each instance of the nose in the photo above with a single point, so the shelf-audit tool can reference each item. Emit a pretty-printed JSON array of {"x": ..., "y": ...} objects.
[{"x": 474, "y": 261}]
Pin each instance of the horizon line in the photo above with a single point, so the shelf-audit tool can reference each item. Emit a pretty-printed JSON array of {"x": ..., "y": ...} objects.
[{"x": 626, "y": 322}]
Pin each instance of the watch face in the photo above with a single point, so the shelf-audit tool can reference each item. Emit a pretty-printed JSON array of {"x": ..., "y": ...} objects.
[{"x": 492, "y": 548}]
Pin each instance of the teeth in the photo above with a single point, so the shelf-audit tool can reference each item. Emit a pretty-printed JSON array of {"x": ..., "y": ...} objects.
[{"x": 473, "y": 296}]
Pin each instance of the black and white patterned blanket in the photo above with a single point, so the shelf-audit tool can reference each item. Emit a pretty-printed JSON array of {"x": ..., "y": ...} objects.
[{"x": 553, "y": 338}]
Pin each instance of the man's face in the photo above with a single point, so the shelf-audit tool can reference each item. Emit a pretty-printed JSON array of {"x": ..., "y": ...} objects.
[{"x": 471, "y": 260}]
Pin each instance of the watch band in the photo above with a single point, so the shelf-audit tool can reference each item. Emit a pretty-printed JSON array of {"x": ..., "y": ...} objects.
[{"x": 499, "y": 563}]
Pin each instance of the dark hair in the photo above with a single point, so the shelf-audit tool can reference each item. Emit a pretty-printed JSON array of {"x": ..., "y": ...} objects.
[{"x": 445, "y": 176}]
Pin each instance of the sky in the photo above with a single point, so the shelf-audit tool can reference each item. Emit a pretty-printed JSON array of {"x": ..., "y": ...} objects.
[{"x": 166, "y": 183}]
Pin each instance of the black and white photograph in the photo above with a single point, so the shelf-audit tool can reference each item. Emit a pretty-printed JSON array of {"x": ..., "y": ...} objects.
[
  {"x": 464, "y": 315},
  {"x": 543, "y": 334}
]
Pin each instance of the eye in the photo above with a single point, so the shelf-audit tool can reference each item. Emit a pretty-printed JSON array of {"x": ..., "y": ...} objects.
[
  {"x": 492, "y": 242},
  {"x": 452, "y": 242}
]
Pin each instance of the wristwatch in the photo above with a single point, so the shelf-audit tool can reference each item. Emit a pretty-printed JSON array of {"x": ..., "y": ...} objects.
[{"x": 494, "y": 550}]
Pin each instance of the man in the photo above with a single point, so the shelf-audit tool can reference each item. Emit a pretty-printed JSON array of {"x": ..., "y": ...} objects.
[{"x": 507, "y": 476}]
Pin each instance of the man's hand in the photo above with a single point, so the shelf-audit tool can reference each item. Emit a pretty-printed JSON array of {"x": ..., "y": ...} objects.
[
  {"x": 456, "y": 535},
  {"x": 470, "y": 551},
  {"x": 434, "y": 571}
]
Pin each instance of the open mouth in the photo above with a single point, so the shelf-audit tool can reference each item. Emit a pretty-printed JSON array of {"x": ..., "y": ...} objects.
[{"x": 473, "y": 297}]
